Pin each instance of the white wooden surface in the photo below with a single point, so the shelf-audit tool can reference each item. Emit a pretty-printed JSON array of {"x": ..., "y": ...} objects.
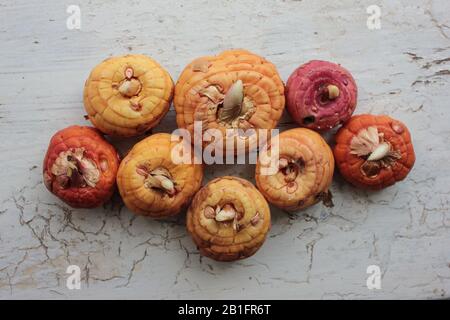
[{"x": 402, "y": 70}]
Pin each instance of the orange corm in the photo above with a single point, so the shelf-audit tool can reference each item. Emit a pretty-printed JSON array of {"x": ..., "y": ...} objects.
[
  {"x": 228, "y": 219},
  {"x": 127, "y": 95},
  {"x": 374, "y": 151},
  {"x": 80, "y": 167},
  {"x": 154, "y": 185},
  {"x": 306, "y": 166},
  {"x": 233, "y": 90}
]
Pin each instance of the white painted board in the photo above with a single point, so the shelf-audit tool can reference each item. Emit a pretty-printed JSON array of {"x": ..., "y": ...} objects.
[{"x": 402, "y": 69}]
